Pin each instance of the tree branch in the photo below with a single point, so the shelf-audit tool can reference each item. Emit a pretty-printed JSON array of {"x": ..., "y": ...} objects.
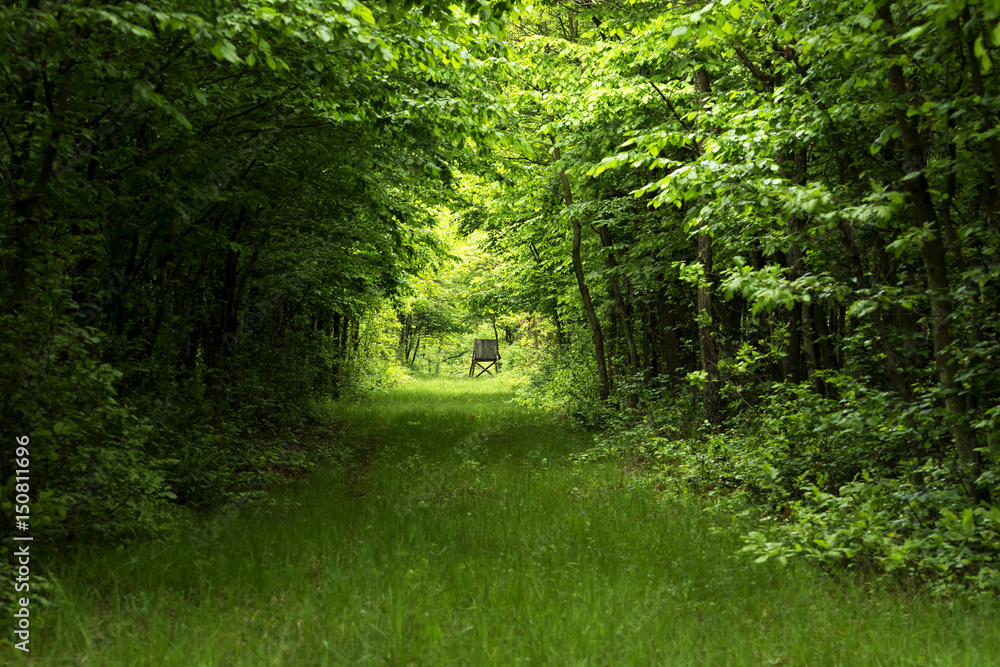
[
  {"x": 757, "y": 72},
  {"x": 670, "y": 105}
]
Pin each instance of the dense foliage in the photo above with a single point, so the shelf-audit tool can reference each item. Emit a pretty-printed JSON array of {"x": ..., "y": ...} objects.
[
  {"x": 206, "y": 206},
  {"x": 758, "y": 241},
  {"x": 792, "y": 209}
]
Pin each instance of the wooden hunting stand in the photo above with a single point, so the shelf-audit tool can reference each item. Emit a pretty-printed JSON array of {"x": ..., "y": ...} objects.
[{"x": 484, "y": 350}]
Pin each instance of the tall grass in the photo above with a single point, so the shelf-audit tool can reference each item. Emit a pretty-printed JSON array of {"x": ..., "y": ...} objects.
[{"x": 461, "y": 534}]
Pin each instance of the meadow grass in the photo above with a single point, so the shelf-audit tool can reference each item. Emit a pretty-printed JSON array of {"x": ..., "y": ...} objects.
[{"x": 461, "y": 533}]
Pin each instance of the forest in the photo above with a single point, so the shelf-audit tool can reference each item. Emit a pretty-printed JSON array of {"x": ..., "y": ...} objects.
[{"x": 743, "y": 255}]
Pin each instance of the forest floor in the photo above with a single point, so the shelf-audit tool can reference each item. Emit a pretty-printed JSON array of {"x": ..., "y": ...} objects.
[{"x": 462, "y": 533}]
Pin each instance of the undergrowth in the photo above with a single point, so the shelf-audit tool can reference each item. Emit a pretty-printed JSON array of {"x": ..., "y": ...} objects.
[
  {"x": 460, "y": 531},
  {"x": 837, "y": 481}
]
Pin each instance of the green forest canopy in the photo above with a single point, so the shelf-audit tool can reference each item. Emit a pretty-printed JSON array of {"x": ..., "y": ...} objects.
[{"x": 791, "y": 209}]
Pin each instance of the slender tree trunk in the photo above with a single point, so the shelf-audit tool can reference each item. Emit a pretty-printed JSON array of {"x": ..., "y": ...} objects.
[
  {"x": 588, "y": 305},
  {"x": 828, "y": 359},
  {"x": 616, "y": 291},
  {"x": 812, "y": 364},
  {"x": 404, "y": 335},
  {"x": 707, "y": 345},
  {"x": 609, "y": 261},
  {"x": 935, "y": 263},
  {"x": 711, "y": 402},
  {"x": 669, "y": 359},
  {"x": 798, "y": 336},
  {"x": 560, "y": 334},
  {"x": 648, "y": 360}
]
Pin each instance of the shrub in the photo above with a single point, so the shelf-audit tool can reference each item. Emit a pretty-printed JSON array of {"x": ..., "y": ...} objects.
[{"x": 927, "y": 532}]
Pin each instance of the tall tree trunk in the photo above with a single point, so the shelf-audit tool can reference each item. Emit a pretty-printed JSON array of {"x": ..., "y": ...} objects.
[
  {"x": 616, "y": 291},
  {"x": 648, "y": 359},
  {"x": 711, "y": 402},
  {"x": 828, "y": 359},
  {"x": 404, "y": 335},
  {"x": 935, "y": 263},
  {"x": 588, "y": 305},
  {"x": 707, "y": 345},
  {"x": 812, "y": 364},
  {"x": 669, "y": 359},
  {"x": 560, "y": 334},
  {"x": 798, "y": 336}
]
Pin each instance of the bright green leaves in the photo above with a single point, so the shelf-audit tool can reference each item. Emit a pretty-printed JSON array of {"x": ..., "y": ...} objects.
[
  {"x": 980, "y": 52},
  {"x": 360, "y": 11},
  {"x": 223, "y": 49},
  {"x": 810, "y": 199},
  {"x": 766, "y": 289},
  {"x": 912, "y": 33},
  {"x": 770, "y": 287}
]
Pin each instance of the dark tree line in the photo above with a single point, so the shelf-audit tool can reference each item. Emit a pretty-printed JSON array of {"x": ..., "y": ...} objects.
[{"x": 202, "y": 202}]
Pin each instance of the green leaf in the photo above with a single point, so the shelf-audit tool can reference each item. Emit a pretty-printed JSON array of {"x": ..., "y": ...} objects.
[
  {"x": 912, "y": 33},
  {"x": 984, "y": 59},
  {"x": 978, "y": 47},
  {"x": 364, "y": 14},
  {"x": 224, "y": 50}
]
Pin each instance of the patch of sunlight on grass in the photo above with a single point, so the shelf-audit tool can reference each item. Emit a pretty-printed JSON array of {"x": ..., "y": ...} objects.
[{"x": 461, "y": 534}]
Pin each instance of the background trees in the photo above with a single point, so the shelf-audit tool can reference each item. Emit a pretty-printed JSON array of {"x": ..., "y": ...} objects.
[
  {"x": 203, "y": 202},
  {"x": 767, "y": 231},
  {"x": 795, "y": 207}
]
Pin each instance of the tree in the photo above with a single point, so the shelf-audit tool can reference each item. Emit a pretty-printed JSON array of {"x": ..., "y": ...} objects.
[{"x": 202, "y": 202}]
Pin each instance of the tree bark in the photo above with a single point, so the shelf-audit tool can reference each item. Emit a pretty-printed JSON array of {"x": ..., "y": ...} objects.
[
  {"x": 710, "y": 399},
  {"x": 669, "y": 359},
  {"x": 936, "y": 266},
  {"x": 707, "y": 345},
  {"x": 609, "y": 261},
  {"x": 595, "y": 323}
]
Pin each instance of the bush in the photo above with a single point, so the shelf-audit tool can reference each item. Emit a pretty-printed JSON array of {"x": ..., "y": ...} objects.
[
  {"x": 927, "y": 532},
  {"x": 831, "y": 480}
]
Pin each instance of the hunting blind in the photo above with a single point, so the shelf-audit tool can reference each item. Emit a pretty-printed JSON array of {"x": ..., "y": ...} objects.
[{"x": 484, "y": 350}]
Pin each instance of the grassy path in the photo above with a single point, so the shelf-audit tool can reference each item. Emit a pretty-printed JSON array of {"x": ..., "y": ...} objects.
[{"x": 464, "y": 536}]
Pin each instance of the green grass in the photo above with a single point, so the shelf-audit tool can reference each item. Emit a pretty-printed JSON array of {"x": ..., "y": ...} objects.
[{"x": 462, "y": 535}]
